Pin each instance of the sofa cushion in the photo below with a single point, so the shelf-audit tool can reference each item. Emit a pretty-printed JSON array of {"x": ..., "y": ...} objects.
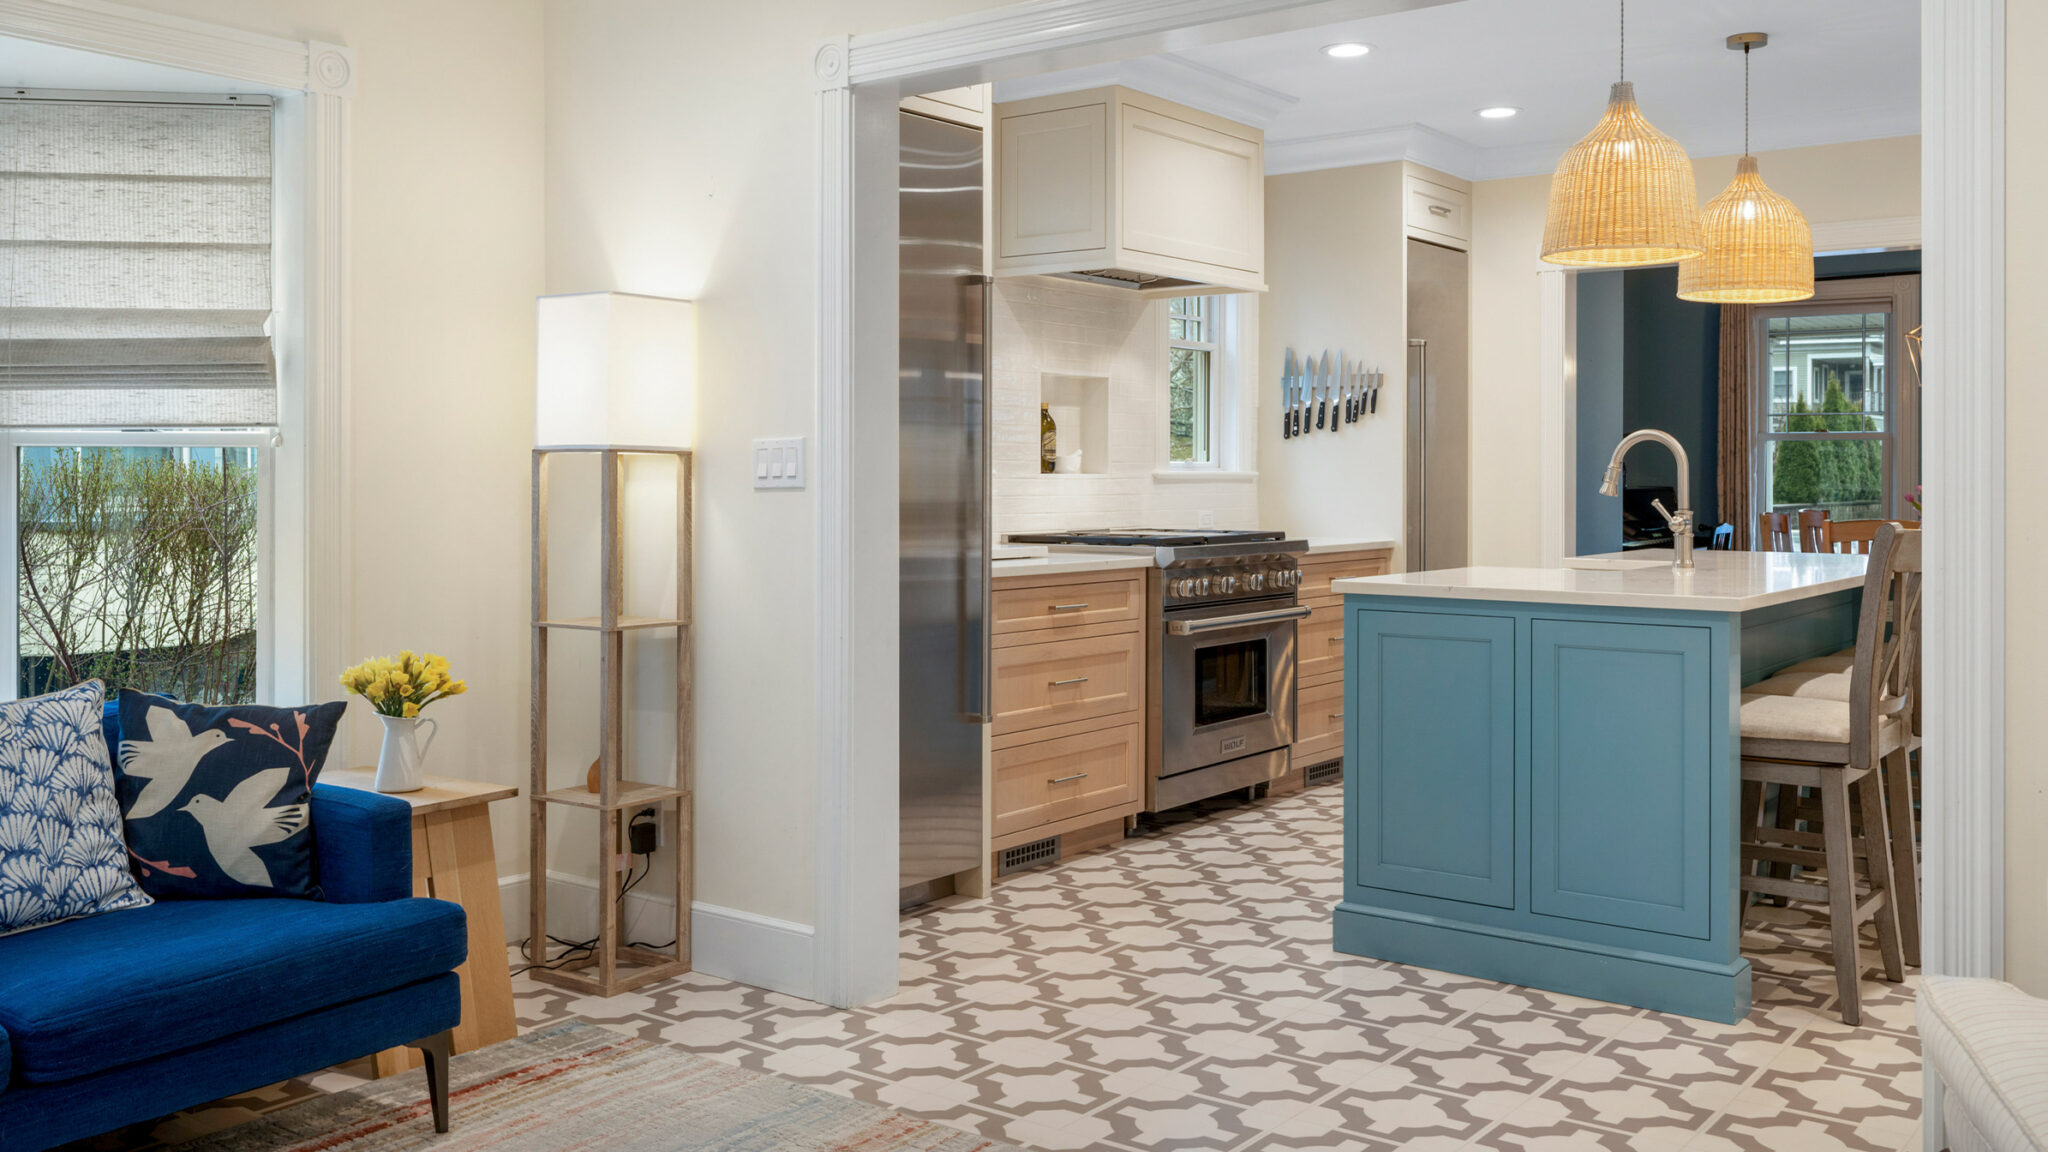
[
  {"x": 82, "y": 997},
  {"x": 217, "y": 800},
  {"x": 61, "y": 854},
  {"x": 1984, "y": 1039}
]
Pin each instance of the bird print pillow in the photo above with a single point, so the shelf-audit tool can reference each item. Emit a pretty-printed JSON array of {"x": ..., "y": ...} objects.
[
  {"x": 60, "y": 830},
  {"x": 218, "y": 801}
]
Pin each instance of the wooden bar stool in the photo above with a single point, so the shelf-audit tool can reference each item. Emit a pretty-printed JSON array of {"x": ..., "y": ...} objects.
[
  {"x": 1773, "y": 532},
  {"x": 1856, "y": 536},
  {"x": 1838, "y": 747},
  {"x": 1816, "y": 530},
  {"x": 1830, "y": 678}
]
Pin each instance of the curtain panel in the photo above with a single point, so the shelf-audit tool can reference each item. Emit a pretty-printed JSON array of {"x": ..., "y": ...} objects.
[{"x": 1738, "y": 329}]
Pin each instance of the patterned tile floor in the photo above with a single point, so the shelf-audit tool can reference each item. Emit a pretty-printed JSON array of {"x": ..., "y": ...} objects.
[{"x": 1177, "y": 993}]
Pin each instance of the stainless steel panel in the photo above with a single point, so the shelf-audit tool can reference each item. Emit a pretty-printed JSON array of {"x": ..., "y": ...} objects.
[
  {"x": 943, "y": 382},
  {"x": 1188, "y": 787},
  {"x": 1439, "y": 410}
]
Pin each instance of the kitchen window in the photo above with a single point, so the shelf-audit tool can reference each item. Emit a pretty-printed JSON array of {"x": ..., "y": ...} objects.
[
  {"x": 1193, "y": 359},
  {"x": 1838, "y": 428},
  {"x": 139, "y": 395}
]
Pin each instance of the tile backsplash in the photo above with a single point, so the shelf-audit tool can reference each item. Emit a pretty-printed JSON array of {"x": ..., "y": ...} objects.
[{"x": 1056, "y": 340}]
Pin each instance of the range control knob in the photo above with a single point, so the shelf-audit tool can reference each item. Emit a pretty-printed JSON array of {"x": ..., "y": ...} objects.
[
  {"x": 1258, "y": 580},
  {"x": 1226, "y": 584}
]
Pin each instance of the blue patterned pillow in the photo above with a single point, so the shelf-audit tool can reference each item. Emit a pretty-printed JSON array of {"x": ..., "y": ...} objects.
[
  {"x": 219, "y": 800},
  {"x": 60, "y": 830}
]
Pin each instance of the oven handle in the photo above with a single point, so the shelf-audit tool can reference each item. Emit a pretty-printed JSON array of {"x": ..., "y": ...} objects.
[{"x": 1219, "y": 623}]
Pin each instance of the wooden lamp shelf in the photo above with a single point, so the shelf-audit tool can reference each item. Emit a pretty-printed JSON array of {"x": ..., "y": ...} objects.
[{"x": 614, "y": 964}]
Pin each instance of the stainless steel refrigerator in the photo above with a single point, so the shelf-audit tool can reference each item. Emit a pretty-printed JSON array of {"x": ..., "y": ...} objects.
[
  {"x": 943, "y": 378},
  {"x": 1439, "y": 416}
]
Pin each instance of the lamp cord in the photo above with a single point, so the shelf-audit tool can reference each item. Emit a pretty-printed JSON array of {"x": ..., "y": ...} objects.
[
  {"x": 1745, "y": 99},
  {"x": 1624, "y": 40}
]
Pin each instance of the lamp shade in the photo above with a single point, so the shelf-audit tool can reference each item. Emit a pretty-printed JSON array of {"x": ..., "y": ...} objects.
[
  {"x": 1759, "y": 247},
  {"x": 614, "y": 370},
  {"x": 1623, "y": 196}
]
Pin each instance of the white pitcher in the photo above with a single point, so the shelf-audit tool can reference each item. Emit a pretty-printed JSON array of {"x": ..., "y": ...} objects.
[{"x": 401, "y": 761}]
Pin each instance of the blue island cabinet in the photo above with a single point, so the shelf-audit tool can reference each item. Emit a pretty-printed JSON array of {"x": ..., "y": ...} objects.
[{"x": 1545, "y": 794}]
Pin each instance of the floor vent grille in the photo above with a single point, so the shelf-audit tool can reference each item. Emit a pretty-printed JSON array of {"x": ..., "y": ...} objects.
[
  {"x": 1329, "y": 773},
  {"x": 1032, "y": 855}
]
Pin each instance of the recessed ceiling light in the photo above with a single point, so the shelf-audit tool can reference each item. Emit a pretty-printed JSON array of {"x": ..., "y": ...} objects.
[
  {"x": 1347, "y": 50},
  {"x": 1497, "y": 112}
]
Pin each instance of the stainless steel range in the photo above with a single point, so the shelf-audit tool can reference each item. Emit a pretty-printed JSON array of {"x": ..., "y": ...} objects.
[{"x": 1221, "y": 655}]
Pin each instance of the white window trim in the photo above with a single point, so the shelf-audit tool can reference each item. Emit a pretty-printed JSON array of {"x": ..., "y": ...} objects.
[
  {"x": 315, "y": 83},
  {"x": 267, "y": 646}
]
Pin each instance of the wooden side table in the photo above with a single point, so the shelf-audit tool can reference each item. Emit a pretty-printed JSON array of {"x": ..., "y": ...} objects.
[{"x": 453, "y": 860}]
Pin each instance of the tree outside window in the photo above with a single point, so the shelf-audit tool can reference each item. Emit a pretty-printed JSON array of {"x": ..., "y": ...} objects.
[{"x": 1192, "y": 346}]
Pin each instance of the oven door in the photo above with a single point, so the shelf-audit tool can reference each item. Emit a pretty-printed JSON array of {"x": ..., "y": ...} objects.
[{"x": 1226, "y": 682}]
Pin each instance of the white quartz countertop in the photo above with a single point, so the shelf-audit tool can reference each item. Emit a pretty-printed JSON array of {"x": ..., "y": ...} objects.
[
  {"x": 1718, "y": 582},
  {"x": 1317, "y": 545},
  {"x": 1039, "y": 560}
]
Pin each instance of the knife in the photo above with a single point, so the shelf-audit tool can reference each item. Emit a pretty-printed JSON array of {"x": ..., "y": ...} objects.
[
  {"x": 1351, "y": 395},
  {"x": 1286, "y": 385},
  {"x": 1378, "y": 377},
  {"x": 1291, "y": 422},
  {"x": 1323, "y": 403}
]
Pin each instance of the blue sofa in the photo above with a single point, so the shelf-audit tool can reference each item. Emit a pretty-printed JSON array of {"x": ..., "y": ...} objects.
[{"x": 131, "y": 1015}]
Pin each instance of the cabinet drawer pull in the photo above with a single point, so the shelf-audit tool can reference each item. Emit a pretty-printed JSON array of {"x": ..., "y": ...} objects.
[
  {"x": 1337, "y": 639},
  {"x": 1065, "y": 779},
  {"x": 1439, "y": 210},
  {"x": 1336, "y": 715},
  {"x": 1064, "y": 683},
  {"x": 1068, "y": 607}
]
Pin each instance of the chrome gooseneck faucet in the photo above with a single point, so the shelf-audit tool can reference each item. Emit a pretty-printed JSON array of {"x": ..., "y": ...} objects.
[{"x": 1681, "y": 520}]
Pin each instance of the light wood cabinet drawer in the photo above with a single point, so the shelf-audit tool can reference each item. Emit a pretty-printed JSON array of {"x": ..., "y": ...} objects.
[
  {"x": 1054, "y": 780},
  {"x": 1041, "y": 684},
  {"x": 1066, "y": 604},
  {"x": 1319, "y": 712},
  {"x": 1318, "y": 571},
  {"x": 1321, "y": 638},
  {"x": 1439, "y": 213}
]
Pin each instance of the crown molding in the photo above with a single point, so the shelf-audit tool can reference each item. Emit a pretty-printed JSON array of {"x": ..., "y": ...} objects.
[
  {"x": 1861, "y": 235},
  {"x": 1425, "y": 146},
  {"x": 177, "y": 42},
  {"x": 1168, "y": 77}
]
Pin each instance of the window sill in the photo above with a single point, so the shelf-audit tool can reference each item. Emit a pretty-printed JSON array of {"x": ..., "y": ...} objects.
[{"x": 1197, "y": 475}]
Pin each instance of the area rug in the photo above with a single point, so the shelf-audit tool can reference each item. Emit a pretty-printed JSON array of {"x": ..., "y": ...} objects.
[{"x": 575, "y": 1086}]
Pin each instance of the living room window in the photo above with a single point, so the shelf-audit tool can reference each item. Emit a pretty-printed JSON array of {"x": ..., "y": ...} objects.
[{"x": 139, "y": 393}]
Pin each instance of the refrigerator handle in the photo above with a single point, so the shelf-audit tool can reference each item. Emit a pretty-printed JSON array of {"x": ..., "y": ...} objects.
[{"x": 982, "y": 701}]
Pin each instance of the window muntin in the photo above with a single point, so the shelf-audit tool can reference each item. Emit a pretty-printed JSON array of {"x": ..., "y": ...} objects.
[{"x": 1193, "y": 352}]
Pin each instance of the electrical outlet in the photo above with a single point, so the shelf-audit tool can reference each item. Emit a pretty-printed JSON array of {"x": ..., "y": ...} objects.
[{"x": 1205, "y": 519}]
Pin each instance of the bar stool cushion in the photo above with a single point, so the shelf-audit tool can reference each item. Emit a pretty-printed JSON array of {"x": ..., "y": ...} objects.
[
  {"x": 1983, "y": 1039},
  {"x": 1816, "y": 685},
  {"x": 1804, "y": 719}
]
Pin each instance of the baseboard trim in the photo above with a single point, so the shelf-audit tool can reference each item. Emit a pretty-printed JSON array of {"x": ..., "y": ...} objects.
[{"x": 726, "y": 942}]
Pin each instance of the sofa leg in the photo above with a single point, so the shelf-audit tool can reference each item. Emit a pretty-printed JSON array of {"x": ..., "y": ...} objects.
[{"x": 435, "y": 1050}]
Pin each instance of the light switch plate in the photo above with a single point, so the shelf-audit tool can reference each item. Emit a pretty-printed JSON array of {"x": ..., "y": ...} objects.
[{"x": 779, "y": 463}]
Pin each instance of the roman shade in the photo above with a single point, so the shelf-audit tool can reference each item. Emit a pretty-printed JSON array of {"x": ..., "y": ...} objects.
[{"x": 135, "y": 262}]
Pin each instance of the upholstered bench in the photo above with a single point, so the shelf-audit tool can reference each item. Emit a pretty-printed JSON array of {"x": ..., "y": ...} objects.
[{"x": 1984, "y": 1044}]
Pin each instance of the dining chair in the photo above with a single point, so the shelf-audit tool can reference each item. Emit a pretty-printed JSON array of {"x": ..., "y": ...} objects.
[
  {"x": 1724, "y": 538},
  {"x": 1836, "y": 747},
  {"x": 1773, "y": 532},
  {"x": 1855, "y": 536},
  {"x": 1816, "y": 530}
]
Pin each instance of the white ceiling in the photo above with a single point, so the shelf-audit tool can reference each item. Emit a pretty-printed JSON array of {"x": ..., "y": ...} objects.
[{"x": 1835, "y": 70}]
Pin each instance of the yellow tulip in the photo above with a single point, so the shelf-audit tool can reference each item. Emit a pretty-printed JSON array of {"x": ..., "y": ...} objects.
[{"x": 410, "y": 709}]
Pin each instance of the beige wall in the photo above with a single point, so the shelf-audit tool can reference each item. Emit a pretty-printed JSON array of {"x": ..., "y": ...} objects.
[
  {"x": 682, "y": 161},
  {"x": 1868, "y": 180},
  {"x": 1337, "y": 265},
  {"x": 445, "y": 257},
  {"x": 2026, "y": 474}
]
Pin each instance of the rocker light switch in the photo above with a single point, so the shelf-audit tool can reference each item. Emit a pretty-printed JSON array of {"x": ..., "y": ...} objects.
[{"x": 779, "y": 463}]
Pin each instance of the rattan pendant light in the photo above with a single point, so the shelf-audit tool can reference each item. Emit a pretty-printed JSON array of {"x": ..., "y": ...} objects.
[
  {"x": 1624, "y": 196},
  {"x": 1759, "y": 246}
]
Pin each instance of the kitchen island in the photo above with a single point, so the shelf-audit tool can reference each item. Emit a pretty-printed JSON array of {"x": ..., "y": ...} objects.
[{"x": 1542, "y": 776}]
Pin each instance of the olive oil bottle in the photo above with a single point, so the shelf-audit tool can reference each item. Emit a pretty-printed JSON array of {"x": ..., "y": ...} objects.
[{"x": 1048, "y": 439}]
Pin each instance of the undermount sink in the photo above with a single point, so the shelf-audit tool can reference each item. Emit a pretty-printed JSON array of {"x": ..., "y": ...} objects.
[{"x": 1610, "y": 564}]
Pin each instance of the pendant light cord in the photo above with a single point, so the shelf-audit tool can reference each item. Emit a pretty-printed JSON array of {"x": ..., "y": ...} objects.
[
  {"x": 1745, "y": 99},
  {"x": 1624, "y": 40}
]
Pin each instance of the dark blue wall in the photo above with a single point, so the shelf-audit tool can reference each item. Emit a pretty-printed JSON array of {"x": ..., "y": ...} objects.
[{"x": 1601, "y": 346}]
